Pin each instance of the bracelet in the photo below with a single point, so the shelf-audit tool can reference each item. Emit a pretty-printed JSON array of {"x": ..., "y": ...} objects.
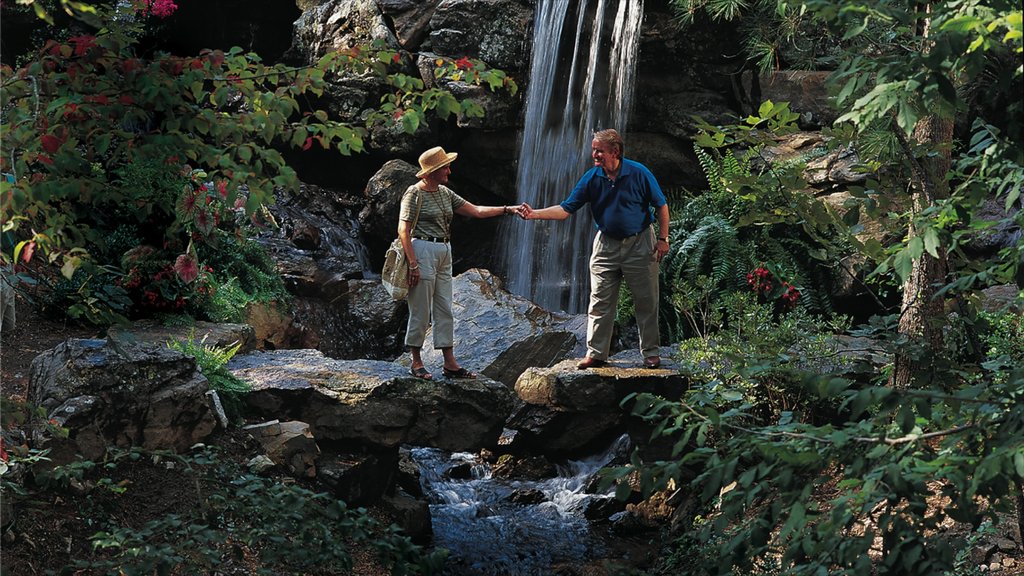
[
  {"x": 665, "y": 239},
  {"x": 416, "y": 267},
  {"x": 504, "y": 210}
]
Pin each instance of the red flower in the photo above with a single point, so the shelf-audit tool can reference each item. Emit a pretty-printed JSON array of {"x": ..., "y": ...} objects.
[
  {"x": 396, "y": 58},
  {"x": 463, "y": 63},
  {"x": 222, "y": 187},
  {"x": 308, "y": 143}
]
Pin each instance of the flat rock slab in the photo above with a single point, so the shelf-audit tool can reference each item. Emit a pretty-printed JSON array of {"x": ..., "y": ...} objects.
[
  {"x": 374, "y": 403},
  {"x": 563, "y": 387}
]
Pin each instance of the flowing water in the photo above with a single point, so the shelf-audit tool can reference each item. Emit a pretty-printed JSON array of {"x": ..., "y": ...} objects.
[
  {"x": 487, "y": 534},
  {"x": 581, "y": 80}
]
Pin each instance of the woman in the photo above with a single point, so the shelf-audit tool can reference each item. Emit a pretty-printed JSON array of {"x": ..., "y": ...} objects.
[{"x": 424, "y": 227}]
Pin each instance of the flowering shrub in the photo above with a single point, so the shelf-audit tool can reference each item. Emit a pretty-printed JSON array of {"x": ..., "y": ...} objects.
[
  {"x": 764, "y": 283},
  {"x": 84, "y": 110}
]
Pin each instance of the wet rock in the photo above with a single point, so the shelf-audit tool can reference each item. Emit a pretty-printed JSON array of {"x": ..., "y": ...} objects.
[
  {"x": 461, "y": 471},
  {"x": 528, "y": 468},
  {"x": 527, "y": 496},
  {"x": 373, "y": 403},
  {"x": 109, "y": 393}
]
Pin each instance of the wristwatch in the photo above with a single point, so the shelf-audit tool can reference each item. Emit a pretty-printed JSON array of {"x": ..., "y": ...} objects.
[{"x": 665, "y": 239}]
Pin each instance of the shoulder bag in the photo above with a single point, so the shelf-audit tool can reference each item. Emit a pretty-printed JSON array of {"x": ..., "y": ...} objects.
[{"x": 395, "y": 275}]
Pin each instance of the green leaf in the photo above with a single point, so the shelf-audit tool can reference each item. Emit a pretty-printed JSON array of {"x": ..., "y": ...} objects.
[{"x": 931, "y": 242}]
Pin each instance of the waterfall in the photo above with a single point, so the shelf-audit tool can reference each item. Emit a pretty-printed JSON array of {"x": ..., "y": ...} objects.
[{"x": 581, "y": 80}]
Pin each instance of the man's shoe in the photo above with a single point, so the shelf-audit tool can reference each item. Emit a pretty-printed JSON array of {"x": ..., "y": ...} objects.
[
  {"x": 589, "y": 362},
  {"x": 652, "y": 362}
]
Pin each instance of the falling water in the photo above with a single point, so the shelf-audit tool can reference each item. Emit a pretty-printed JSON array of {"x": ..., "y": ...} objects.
[{"x": 581, "y": 80}]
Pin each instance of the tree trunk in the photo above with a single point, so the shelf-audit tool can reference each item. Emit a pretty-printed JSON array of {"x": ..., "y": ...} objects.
[{"x": 922, "y": 315}]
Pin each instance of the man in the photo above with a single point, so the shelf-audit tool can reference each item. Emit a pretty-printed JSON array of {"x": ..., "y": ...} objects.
[{"x": 621, "y": 194}]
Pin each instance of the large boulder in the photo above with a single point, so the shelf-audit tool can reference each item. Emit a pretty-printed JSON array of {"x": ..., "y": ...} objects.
[
  {"x": 572, "y": 413},
  {"x": 109, "y": 394},
  {"x": 373, "y": 403},
  {"x": 501, "y": 335}
]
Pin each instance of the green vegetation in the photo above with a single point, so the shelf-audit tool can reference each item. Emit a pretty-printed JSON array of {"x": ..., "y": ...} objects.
[
  {"x": 226, "y": 517},
  {"x": 795, "y": 463},
  {"x": 149, "y": 174}
]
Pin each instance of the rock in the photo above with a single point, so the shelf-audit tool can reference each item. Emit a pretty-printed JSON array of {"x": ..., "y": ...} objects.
[
  {"x": 544, "y": 430},
  {"x": 410, "y": 514},
  {"x": 410, "y": 19},
  {"x": 527, "y": 496},
  {"x": 220, "y": 335},
  {"x": 529, "y": 468},
  {"x": 289, "y": 445},
  {"x": 110, "y": 393},
  {"x": 500, "y": 335},
  {"x": 804, "y": 90},
  {"x": 337, "y": 25},
  {"x": 260, "y": 464},
  {"x": 358, "y": 477},
  {"x": 564, "y": 388},
  {"x": 383, "y": 196},
  {"x": 495, "y": 31},
  {"x": 373, "y": 403}
]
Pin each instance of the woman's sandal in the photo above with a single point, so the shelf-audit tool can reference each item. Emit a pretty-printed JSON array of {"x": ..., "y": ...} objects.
[
  {"x": 461, "y": 373},
  {"x": 421, "y": 372}
]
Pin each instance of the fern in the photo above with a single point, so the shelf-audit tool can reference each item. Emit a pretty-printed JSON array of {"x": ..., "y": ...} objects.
[{"x": 211, "y": 361}]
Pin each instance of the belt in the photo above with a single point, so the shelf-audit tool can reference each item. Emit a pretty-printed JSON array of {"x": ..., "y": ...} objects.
[
  {"x": 432, "y": 239},
  {"x": 620, "y": 239}
]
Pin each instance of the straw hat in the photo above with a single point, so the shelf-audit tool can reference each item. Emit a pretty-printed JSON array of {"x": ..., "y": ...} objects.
[{"x": 433, "y": 159}]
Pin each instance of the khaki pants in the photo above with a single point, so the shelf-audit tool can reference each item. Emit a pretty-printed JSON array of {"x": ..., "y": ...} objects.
[
  {"x": 430, "y": 301},
  {"x": 612, "y": 261}
]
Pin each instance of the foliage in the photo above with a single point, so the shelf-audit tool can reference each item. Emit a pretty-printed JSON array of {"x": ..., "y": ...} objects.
[
  {"x": 775, "y": 34},
  {"x": 753, "y": 215},
  {"x": 238, "y": 517},
  {"x": 211, "y": 361},
  {"x": 95, "y": 136},
  {"x": 893, "y": 452},
  {"x": 752, "y": 333}
]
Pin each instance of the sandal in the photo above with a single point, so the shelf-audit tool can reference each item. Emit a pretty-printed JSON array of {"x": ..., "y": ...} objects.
[
  {"x": 460, "y": 373},
  {"x": 421, "y": 372}
]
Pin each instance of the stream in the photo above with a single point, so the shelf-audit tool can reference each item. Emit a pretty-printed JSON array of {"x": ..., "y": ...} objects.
[{"x": 488, "y": 533}]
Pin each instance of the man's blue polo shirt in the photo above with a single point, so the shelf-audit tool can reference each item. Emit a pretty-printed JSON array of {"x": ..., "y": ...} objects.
[{"x": 621, "y": 208}]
